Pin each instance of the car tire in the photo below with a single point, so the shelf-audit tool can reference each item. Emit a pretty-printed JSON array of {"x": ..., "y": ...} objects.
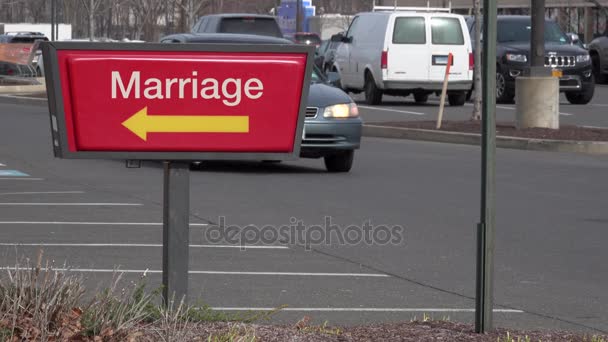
[
  {"x": 340, "y": 162},
  {"x": 600, "y": 78},
  {"x": 583, "y": 97},
  {"x": 421, "y": 97},
  {"x": 373, "y": 95},
  {"x": 503, "y": 95},
  {"x": 457, "y": 99},
  {"x": 339, "y": 82}
]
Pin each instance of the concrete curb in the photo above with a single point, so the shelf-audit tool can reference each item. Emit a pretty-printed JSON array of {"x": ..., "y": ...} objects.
[
  {"x": 23, "y": 89},
  {"x": 590, "y": 147}
]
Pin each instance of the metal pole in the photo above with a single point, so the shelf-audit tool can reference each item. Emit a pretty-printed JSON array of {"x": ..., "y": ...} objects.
[
  {"x": 56, "y": 21},
  {"x": 484, "y": 296},
  {"x": 298, "y": 16},
  {"x": 176, "y": 232},
  {"x": 537, "y": 41},
  {"x": 52, "y": 20}
]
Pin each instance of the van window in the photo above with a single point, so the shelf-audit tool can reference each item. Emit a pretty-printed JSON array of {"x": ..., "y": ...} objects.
[
  {"x": 409, "y": 30},
  {"x": 446, "y": 31},
  {"x": 352, "y": 27},
  {"x": 251, "y": 25}
]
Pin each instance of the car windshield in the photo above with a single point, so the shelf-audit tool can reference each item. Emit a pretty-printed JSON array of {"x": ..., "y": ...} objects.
[
  {"x": 520, "y": 31},
  {"x": 316, "y": 76},
  {"x": 251, "y": 25}
]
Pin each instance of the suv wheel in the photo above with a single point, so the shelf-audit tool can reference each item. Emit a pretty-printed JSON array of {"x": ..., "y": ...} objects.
[
  {"x": 339, "y": 82},
  {"x": 584, "y": 96},
  {"x": 597, "y": 71},
  {"x": 502, "y": 93},
  {"x": 457, "y": 99},
  {"x": 421, "y": 97},
  {"x": 340, "y": 162},
  {"x": 373, "y": 95}
]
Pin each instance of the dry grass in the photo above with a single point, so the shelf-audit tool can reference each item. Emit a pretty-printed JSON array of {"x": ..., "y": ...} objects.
[{"x": 33, "y": 304}]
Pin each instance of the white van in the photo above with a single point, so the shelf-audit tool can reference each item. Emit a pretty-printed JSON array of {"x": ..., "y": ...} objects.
[{"x": 404, "y": 51}]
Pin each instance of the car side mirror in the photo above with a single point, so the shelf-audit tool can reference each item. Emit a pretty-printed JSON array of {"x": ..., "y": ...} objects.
[
  {"x": 337, "y": 38},
  {"x": 333, "y": 78}
]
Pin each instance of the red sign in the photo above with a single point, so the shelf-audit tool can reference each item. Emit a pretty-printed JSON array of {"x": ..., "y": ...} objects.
[{"x": 181, "y": 101}]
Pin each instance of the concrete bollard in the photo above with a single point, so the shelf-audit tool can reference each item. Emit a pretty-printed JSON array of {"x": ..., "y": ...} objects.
[{"x": 537, "y": 102}]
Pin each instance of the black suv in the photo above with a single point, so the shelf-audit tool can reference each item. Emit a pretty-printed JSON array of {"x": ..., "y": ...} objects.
[
  {"x": 262, "y": 25},
  {"x": 513, "y": 56}
]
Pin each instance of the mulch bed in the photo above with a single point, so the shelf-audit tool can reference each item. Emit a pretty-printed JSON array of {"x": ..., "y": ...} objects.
[
  {"x": 407, "y": 331},
  {"x": 69, "y": 328},
  {"x": 565, "y": 132}
]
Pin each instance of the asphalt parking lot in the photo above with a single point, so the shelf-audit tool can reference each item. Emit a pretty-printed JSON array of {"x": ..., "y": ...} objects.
[{"x": 96, "y": 216}]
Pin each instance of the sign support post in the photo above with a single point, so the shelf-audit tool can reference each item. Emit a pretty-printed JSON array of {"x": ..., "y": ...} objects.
[
  {"x": 176, "y": 230},
  {"x": 484, "y": 285}
]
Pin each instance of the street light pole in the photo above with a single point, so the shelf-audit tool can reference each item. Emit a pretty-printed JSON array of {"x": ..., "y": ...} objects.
[
  {"x": 537, "y": 43},
  {"x": 484, "y": 294},
  {"x": 298, "y": 16},
  {"x": 53, "y": 20}
]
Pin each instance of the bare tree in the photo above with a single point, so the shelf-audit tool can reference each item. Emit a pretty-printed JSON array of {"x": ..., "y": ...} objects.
[
  {"x": 91, "y": 6},
  {"x": 191, "y": 8},
  {"x": 147, "y": 14}
]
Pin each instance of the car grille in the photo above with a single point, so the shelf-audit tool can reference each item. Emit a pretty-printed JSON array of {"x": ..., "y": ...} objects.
[
  {"x": 560, "y": 61},
  {"x": 311, "y": 112}
]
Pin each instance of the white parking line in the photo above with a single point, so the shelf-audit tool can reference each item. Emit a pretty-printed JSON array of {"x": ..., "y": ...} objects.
[
  {"x": 131, "y": 245},
  {"x": 71, "y": 204},
  {"x": 363, "y": 309},
  {"x": 514, "y": 108},
  {"x": 392, "y": 110},
  {"x": 2, "y": 165},
  {"x": 299, "y": 274},
  {"x": 66, "y": 223},
  {"x": 42, "y": 193}
]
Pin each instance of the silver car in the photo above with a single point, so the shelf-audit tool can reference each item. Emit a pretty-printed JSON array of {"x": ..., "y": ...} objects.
[{"x": 332, "y": 129}]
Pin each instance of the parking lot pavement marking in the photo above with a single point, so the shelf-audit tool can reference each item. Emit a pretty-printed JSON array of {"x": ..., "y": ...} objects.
[
  {"x": 514, "y": 108},
  {"x": 22, "y": 179},
  {"x": 362, "y": 309},
  {"x": 2, "y": 165},
  {"x": 132, "y": 245},
  {"x": 65, "y": 223},
  {"x": 13, "y": 173},
  {"x": 297, "y": 274},
  {"x": 392, "y": 110},
  {"x": 71, "y": 204},
  {"x": 41, "y": 193}
]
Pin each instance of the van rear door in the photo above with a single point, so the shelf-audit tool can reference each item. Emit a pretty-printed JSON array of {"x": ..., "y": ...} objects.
[
  {"x": 407, "y": 48},
  {"x": 448, "y": 36}
]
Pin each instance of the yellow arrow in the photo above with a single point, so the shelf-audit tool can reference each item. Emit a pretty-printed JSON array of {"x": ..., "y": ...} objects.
[{"x": 141, "y": 124}]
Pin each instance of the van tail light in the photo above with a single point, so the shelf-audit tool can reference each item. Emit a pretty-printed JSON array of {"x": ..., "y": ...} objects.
[
  {"x": 471, "y": 61},
  {"x": 384, "y": 60}
]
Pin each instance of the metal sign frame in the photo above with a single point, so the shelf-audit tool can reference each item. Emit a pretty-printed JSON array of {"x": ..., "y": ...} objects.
[{"x": 57, "y": 113}]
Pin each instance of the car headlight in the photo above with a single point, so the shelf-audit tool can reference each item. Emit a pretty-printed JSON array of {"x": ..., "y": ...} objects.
[
  {"x": 512, "y": 57},
  {"x": 345, "y": 110},
  {"x": 583, "y": 58}
]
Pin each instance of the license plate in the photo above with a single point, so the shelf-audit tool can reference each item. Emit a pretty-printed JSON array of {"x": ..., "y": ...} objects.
[
  {"x": 441, "y": 60},
  {"x": 557, "y": 73}
]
